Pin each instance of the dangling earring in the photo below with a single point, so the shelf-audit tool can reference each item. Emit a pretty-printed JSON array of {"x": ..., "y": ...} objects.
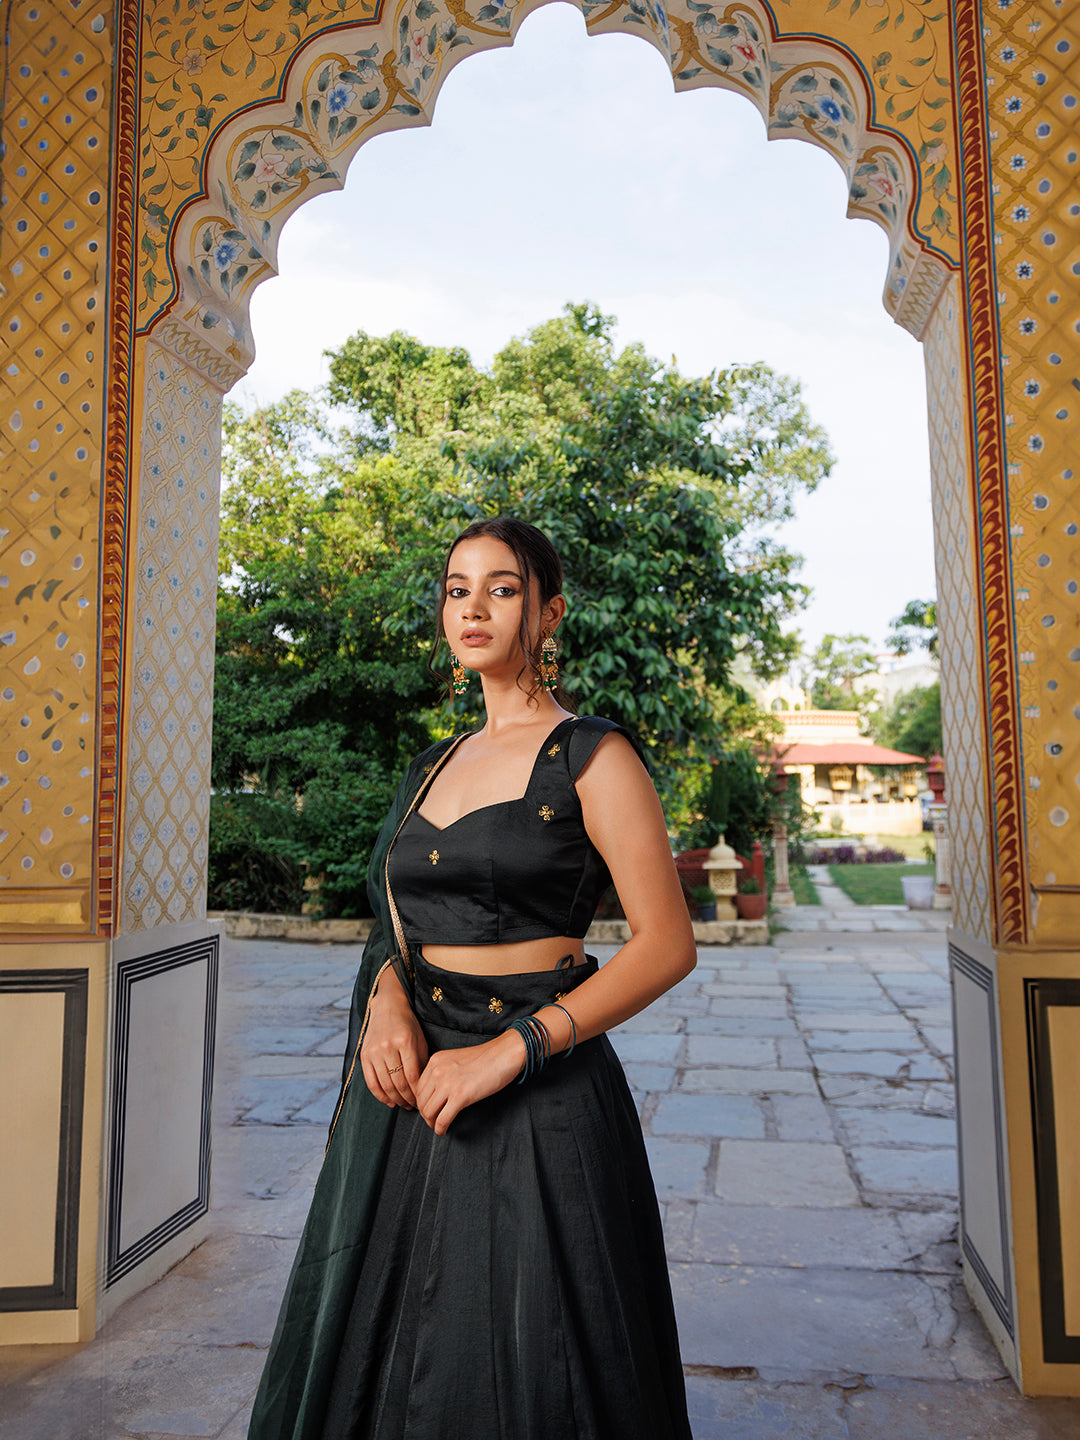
[
  {"x": 549, "y": 665},
  {"x": 457, "y": 670}
]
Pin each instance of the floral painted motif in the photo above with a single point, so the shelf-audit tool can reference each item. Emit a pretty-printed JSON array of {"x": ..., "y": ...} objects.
[
  {"x": 818, "y": 102},
  {"x": 730, "y": 44},
  {"x": 206, "y": 60},
  {"x": 912, "y": 83}
]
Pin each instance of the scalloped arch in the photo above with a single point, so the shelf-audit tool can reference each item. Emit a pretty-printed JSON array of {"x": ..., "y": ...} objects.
[{"x": 345, "y": 85}]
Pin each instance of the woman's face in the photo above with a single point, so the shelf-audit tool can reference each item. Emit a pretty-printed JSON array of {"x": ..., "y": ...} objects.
[{"x": 482, "y": 608}]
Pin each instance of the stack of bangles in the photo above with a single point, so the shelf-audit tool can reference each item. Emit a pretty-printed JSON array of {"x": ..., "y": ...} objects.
[{"x": 538, "y": 1042}]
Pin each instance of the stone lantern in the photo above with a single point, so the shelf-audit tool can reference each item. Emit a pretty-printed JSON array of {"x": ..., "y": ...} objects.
[{"x": 721, "y": 867}]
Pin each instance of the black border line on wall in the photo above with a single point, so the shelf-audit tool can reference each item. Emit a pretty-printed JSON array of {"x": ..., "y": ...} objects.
[
  {"x": 1001, "y": 1299},
  {"x": 74, "y": 985},
  {"x": 1059, "y": 1347}
]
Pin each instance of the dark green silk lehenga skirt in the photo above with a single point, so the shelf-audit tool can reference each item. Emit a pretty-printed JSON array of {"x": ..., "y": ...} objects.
[{"x": 506, "y": 1281}]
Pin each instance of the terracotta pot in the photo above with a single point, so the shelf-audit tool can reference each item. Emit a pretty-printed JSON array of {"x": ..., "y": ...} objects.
[{"x": 751, "y": 907}]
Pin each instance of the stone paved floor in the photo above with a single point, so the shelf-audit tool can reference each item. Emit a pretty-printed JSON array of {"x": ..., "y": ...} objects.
[{"x": 798, "y": 1105}]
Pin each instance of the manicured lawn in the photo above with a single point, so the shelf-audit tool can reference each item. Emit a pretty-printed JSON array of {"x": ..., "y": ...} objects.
[
  {"x": 910, "y": 845},
  {"x": 803, "y": 887},
  {"x": 875, "y": 884}
]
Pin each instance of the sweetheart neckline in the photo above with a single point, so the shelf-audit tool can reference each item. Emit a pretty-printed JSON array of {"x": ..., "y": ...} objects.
[{"x": 495, "y": 804}]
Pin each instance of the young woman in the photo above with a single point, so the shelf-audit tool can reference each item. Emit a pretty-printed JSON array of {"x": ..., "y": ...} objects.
[{"x": 483, "y": 1259}]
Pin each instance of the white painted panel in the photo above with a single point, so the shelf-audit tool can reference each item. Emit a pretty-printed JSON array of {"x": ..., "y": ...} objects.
[
  {"x": 163, "y": 1105},
  {"x": 32, "y": 1044},
  {"x": 976, "y": 1087}
]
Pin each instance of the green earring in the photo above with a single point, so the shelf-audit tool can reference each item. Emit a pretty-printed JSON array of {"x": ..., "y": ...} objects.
[
  {"x": 549, "y": 664},
  {"x": 457, "y": 670}
]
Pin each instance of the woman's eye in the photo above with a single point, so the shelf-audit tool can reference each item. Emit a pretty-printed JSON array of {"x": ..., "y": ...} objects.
[
  {"x": 455, "y": 592},
  {"x": 504, "y": 590}
]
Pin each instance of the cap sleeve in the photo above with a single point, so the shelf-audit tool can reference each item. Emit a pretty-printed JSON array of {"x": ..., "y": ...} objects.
[{"x": 586, "y": 735}]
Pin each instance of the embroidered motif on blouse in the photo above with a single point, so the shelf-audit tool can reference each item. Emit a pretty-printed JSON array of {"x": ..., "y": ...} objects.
[
  {"x": 434, "y": 857},
  {"x": 436, "y": 994},
  {"x": 495, "y": 1006},
  {"x": 546, "y": 813},
  {"x": 555, "y": 749}
]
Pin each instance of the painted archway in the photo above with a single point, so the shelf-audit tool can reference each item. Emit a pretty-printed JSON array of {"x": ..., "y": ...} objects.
[{"x": 154, "y": 151}]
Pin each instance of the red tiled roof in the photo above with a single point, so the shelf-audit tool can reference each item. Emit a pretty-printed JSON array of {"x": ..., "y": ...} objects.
[{"x": 843, "y": 752}]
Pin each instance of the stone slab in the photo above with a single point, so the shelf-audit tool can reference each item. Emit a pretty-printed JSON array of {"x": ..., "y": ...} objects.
[
  {"x": 784, "y": 1173},
  {"x": 712, "y": 1115},
  {"x": 802, "y": 1117},
  {"x": 721, "y": 1079},
  {"x": 754, "y": 1410},
  {"x": 763, "y": 1009},
  {"x": 678, "y": 1166},
  {"x": 903, "y": 1040},
  {"x": 896, "y": 1127},
  {"x": 742, "y": 1051},
  {"x": 795, "y": 1322},
  {"x": 906, "y": 1172},
  {"x": 859, "y": 1239},
  {"x": 849, "y": 1019},
  {"x": 884, "y": 1063},
  {"x": 649, "y": 1078},
  {"x": 739, "y": 1025},
  {"x": 284, "y": 1039},
  {"x": 929, "y": 1410},
  {"x": 658, "y": 1049}
]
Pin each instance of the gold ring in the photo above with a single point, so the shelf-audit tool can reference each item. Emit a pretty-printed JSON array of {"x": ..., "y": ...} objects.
[{"x": 394, "y": 1069}]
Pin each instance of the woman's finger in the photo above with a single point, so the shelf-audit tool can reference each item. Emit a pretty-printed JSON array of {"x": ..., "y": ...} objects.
[
  {"x": 397, "y": 1084},
  {"x": 371, "y": 1079}
]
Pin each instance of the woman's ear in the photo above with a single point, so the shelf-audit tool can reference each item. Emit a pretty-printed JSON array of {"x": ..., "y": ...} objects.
[{"x": 553, "y": 612}]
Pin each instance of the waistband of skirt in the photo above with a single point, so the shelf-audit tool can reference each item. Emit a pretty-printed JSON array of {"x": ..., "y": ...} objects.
[{"x": 486, "y": 1004}]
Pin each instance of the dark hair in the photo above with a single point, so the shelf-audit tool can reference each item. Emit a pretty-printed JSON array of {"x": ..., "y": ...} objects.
[{"x": 540, "y": 566}]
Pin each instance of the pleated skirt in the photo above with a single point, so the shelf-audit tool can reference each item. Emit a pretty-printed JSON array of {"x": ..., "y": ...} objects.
[{"x": 514, "y": 1286}]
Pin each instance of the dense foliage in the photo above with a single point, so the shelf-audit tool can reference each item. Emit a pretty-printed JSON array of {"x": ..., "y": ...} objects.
[
  {"x": 912, "y": 723},
  {"x": 657, "y": 489}
]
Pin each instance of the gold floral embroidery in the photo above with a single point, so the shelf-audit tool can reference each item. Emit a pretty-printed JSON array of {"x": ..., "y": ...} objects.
[
  {"x": 495, "y": 1006},
  {"x": 561, "y": 995},
  {"x": 436, "y": 994},
  {"x": 428, "y": 769},
  {"x": 546, "y": 813},
  {"x": 434, "y": 857},
  {"x": 555, "y": 749}
]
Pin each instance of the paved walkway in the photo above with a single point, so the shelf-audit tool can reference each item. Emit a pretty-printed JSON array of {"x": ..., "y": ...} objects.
[
  {"x": 838, "y": 912},
  {"x": 798, "y": 1106}
]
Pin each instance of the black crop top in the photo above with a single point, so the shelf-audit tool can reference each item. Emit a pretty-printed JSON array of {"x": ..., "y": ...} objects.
[{"x": 520, "y": 869}]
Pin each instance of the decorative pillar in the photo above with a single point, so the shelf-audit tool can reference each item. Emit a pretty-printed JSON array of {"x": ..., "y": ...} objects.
[{"x": 782, "y": 895}]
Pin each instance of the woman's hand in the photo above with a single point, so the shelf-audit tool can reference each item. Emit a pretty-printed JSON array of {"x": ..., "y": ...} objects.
[
  {"x": 453, "y": 1079},
  {"x": 394, "y": 1051}
]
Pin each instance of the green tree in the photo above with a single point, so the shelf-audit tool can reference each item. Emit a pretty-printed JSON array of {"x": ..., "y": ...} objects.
[
  {"x": 912, "y": 723},
  {"x": 321, "y": 676},
  {"x": 832, "y": 669},
  {"x": 915, "y": 629},
  {"x": 332, "y": 542}
]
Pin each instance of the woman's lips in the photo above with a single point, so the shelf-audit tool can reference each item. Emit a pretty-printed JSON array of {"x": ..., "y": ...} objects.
[{"x": 475, "y": 637}]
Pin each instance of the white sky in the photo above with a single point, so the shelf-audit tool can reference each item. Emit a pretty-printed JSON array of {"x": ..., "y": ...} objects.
[{"x": 566, "y": 168}]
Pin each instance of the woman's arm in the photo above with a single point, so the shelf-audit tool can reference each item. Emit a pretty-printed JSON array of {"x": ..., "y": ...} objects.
[{"x": 625, "y": 822}]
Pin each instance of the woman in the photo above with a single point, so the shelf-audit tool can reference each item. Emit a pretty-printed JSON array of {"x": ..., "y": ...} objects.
[{"x": 483, "y": 1259}]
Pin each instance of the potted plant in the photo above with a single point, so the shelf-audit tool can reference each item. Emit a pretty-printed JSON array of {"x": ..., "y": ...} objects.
[
  {"x": 751, "y": 900},
  {"x": 705, "y": 901}
]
